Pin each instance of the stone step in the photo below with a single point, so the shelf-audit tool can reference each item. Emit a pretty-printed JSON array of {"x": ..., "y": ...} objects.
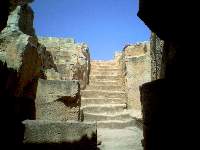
[
  {"x": 105, "y": 77},
  {"x": 104, "y": 108},
  {"x": 107, "y": 73},
  {"x": 106, "y": 87},
  {"x": 103, "y": 116},
  {"x": 86, "y": 101},
  {"x": 116, "y": 124},
  {"x": 57, "y": 132},
  {"x": 111, "y": 63},
  {"x": 102, "y": 94},
  {"x": 106, "y": 83},
  {"x": 106, "y": 69},
  {"x": 105, "y": 80}
]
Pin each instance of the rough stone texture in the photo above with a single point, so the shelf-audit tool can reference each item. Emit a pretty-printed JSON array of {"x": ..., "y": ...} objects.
[
  {"x": 138, "y": 71},
  {"x": 156, "y": 51},
  {"x": 47, "y": 65},
  {"x": 72, "y": 59},
  {"x": 104, "y": 100},
  {"x": 111, "y": 112},
  {"x": 58, "y": 100},
  {"x": 57, "y": 134},
  {"x": 19, "y": 70},
  {"x": 19, "y": 50}
]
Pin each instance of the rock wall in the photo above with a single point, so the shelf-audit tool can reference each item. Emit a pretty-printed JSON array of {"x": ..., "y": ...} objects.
[
  {"x": 168, "y": 101},
  {"x": 65, "y": 69},
  {"x": 156, "y": 51},
  {"x": 58, "y": 100},
  {"x": 72, "y": 60},
  {"x": 19, "y": 69},
  {"x": 138, "y": 71}
]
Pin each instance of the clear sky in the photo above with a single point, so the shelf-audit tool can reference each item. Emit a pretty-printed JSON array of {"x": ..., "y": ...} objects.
[{"x": 105, "y": 25}]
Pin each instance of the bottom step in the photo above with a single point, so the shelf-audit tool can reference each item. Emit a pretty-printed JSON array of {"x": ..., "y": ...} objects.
[{"x": 116, "y": 124}]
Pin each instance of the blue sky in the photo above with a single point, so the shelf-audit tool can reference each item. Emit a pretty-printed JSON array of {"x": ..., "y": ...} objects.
[{"x": 105, "y": 25}]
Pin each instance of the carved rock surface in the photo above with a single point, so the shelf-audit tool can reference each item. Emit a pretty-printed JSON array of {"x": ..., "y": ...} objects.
[
  {"x": 72, "y": 60},
  {"x": 58, "y": 100},
  {"x": 138, "y": 71}
]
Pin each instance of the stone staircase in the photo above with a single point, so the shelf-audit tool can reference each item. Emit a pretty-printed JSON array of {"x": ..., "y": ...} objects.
[{"x": 104, "y": 99}]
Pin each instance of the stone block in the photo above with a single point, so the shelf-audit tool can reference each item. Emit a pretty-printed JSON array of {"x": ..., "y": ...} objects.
[
  {"x": 57, "y": 100},
  {"x": 54, "y": 134}
]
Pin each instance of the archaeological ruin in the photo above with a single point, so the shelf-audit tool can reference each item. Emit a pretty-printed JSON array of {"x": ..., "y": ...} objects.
[{"x": 55, "y": 97}]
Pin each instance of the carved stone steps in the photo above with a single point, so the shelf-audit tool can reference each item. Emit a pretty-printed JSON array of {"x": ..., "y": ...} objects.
[
  {"x": 88, "y": 101},
  {"x": 107, "y": 73},
  {"x": 104, "y": 108},
  {"x": 105, "y": 77},
  {"x": 106, "y": 83},
  {"x": 106, "y": 87},
  {"x": 103, "y": 63},
  {"x": 102, "y": 94},
  {"x": 116, "y": 124},
  {"x": 103, "y": 117},
  {"x": 106, "y": 69}
]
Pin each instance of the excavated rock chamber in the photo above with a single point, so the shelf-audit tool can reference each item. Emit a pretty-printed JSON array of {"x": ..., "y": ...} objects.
[{"x": 60, "y": 99}]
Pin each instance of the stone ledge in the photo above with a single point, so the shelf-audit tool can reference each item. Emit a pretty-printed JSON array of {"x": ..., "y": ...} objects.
[
  {"x": 51, "y": 90},
  {"x": 55, "y": 132}
]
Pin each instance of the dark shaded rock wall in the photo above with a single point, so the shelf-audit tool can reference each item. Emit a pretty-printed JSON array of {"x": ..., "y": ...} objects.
[
  {"x": 4, "y": 11},
  {"x": 20, "y": 66},
  {"x": 169, "y": 101}
]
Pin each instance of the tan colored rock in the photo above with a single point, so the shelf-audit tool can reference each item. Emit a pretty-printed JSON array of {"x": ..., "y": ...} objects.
[
  {"x": 138, "y": 71},
  {"x": 20, "y": 66},
  {"x": 72, "y": 59},
  {"x": 57, "y": 134},
  {"x": 58, "y": 100},
  {"x": 19, "y": 54},
  {"x": 136, "y": 49}
]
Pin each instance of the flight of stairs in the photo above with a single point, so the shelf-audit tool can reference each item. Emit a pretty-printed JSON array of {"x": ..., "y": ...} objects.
[{"x": 104, "y": 99}]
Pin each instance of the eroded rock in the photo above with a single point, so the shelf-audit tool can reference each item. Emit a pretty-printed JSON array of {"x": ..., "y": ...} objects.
[
  {"x": 58, "y": 100},
  {"x": 72, "y": 59},
  {"x": 138, "y": 71}
]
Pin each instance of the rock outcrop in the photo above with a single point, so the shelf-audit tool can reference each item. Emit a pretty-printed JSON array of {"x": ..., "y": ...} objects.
[
  {"x": 172, "y": 96},
  {"x": 65, "y": 68},
  {"x": 38, "y": 82},
  {"x": 137, "y": 71},
  {"x": 19, "y": 69},
  {"x": 156, "y": 51},
  {"x": 72, "y": 60},
  {"x": 58, "y": 100}
]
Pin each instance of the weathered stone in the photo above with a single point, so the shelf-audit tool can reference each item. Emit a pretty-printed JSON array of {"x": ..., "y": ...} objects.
[
  {"x": 20, "y": 19},
  {"x": 19, "y": 70},
  {"x": 138, "y": 71},
  {"x": 156, "y": 51},
  {"x": 19, "y": 52},
  {"x": 57, "y": 100},
  {"x": 74, "y": 135},
  {"x": 138, "y": 49},
  {"x": 72, "y": 60}
]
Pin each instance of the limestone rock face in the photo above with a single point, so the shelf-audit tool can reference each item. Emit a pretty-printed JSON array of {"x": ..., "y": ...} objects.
[
  {"x": 138, "y": 71},
  {"x": 58, "y": 100},
  {"x": 71, "y": 59},
  {"x": 156, "y": 52},
  {"x": 60, "y": 135},
  {"x": 19, "y": 53},
  {"x": 65, "y": 67}
]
